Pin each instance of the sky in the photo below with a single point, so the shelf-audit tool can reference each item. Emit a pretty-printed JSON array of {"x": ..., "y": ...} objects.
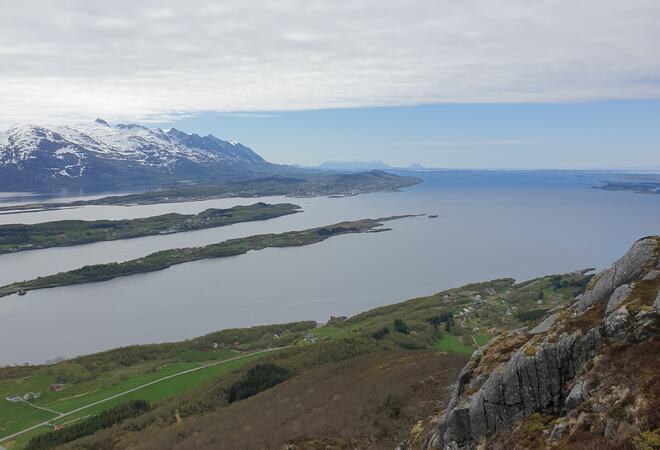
[
  {"x": 450, "y": 83},
  {"x": 593, "y": 135}
]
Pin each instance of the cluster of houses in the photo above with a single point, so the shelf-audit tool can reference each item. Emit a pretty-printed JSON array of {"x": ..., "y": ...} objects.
[
  {"x": 14, "y": 398},
  {"x": 311, "y": 338},
  {"x": 29, "y": 396}
]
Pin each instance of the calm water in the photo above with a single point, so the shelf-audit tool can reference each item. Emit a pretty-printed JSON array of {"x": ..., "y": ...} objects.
[{"x": 491, "y": 224}]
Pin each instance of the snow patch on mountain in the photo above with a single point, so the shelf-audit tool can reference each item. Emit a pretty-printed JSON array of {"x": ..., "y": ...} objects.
[{"x": 67, "y": 150}]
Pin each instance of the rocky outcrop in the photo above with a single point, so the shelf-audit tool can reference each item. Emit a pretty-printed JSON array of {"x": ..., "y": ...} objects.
[
  {"x": 557, "y": 368},
  {"x": 633, "y": 264}
]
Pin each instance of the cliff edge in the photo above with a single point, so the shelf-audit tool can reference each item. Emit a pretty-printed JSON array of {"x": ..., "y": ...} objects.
[{"x": 586, "y": 374}]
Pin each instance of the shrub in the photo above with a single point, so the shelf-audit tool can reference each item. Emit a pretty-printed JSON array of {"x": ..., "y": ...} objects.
[
  {"x": 531, "y": 314},
  {"x": 257, "y": 379},
  {"x": 379, "y": 334},
  {"x": 104, "y": 419},
  {"x": 401, "y": 326}
]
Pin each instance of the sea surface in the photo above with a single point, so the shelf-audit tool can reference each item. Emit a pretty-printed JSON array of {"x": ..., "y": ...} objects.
[{"x": 490, "y": 224}]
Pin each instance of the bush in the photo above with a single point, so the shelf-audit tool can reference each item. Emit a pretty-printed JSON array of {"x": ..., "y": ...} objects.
[
  {"x": 393, "y": 405},
  {"x": 257, "y": 379},
  {"x": 104, "y": 419},
  {"x": 401, "y": 326},
  {"x": 531, "y": 314},
  {"x": 379, "y": 334}
]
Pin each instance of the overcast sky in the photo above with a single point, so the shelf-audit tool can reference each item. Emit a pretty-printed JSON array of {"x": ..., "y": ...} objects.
[{"x": 159, "y": 61}]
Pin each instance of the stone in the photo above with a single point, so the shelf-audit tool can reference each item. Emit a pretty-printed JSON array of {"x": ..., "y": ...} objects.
[
  {"x": 546, "y": 325},
  {"x": 557, "y": 432},
  {"x": 576, "y": 396},
  {"x": 611, "y": 428},
  {"x": 652, "y": 275},
  {"x": 617, "y": 323},
  {"x": 619, "y": 295}
]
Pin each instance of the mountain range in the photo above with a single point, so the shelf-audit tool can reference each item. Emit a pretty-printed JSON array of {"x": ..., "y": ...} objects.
[
  {"x": 98, "y": 155},
  {"x": 350, "y": 166}
]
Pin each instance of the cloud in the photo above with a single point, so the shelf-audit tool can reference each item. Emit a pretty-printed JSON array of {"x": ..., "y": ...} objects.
[{"x": 154, "y": 60}]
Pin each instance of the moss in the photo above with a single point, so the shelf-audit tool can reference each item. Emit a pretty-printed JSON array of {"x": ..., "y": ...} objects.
[
  {"x": 648, "y": 440},
  {"x": 530, "y": 350}
]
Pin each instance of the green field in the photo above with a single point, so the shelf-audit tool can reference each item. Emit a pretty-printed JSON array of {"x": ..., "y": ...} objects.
[
  {"x": 451, "y": 343},
  {"x": 18, "y": 416}
]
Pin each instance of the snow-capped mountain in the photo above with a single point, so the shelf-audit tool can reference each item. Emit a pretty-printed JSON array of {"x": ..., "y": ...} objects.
[{"x": 101, "y": 155}]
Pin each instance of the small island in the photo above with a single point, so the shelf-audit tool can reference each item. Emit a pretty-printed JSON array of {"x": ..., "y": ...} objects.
[
  {"x": 640, "y": 187},
  {"x": 167, "y": 258},
  {"x": 16, "y": 238}
]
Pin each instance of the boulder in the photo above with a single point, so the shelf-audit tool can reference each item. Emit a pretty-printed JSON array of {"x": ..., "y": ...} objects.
[
  {"x": 576, "y": 396},
  {"x": 617, "y": 323}
]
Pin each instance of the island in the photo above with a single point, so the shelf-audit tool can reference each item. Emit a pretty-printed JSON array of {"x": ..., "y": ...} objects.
[
  {"x": 167, "y": 258},
  {"x": 62, "y": 233},
  {"x": 640, "y": 187},
  {"x": 297, "y": 185}
]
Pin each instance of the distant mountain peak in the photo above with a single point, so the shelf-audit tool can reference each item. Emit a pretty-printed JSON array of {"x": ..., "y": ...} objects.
[
  {"x": 56, "y": 156},
  {"x": 354, "y": 165}
]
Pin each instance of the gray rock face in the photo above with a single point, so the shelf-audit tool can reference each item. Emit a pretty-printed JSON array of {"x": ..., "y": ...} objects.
[
  {"x": 545, "y": 326},
  {"x": 516, "y": 389},
  {"x": 652, "y": 275},
  {"x": 576, "y": 396},
  {"x": 656, "y": 304},
  {"x": 628, "y": 268},
  {"x": 618, "y": 296}
]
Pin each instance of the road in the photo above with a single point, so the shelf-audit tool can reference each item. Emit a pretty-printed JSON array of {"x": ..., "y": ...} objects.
[{"x": 151, "y": 383}]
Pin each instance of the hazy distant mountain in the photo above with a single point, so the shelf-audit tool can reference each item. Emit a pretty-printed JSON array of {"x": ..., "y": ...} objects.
[
  {"x": 354, "y": 165},
  {"x": 98, "y": 155}
]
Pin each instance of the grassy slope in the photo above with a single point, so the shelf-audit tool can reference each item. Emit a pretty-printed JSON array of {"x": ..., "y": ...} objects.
[
  {"x": 20, "y": 237},
  {"x": 479, "y": 310}
]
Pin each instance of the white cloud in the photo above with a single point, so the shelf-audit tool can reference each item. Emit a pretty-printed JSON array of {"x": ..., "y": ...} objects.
[{"x": 150, "y": 60}]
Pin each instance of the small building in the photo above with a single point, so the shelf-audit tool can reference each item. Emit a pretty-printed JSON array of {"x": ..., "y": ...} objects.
[
  {"x": 31, "y": 395},
  {"x": 310, "y": 337},
  {"x": 14, "y": 398},
  {"x": 57, "y": 387}
]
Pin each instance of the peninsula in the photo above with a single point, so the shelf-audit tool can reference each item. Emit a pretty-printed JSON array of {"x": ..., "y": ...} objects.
[{"x": 62, "y": 233}]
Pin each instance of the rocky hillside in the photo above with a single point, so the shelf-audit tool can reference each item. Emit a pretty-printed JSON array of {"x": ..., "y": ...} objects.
[
  {"x": 99, "y": 155},
  {"x": 587, "y": 376}
]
